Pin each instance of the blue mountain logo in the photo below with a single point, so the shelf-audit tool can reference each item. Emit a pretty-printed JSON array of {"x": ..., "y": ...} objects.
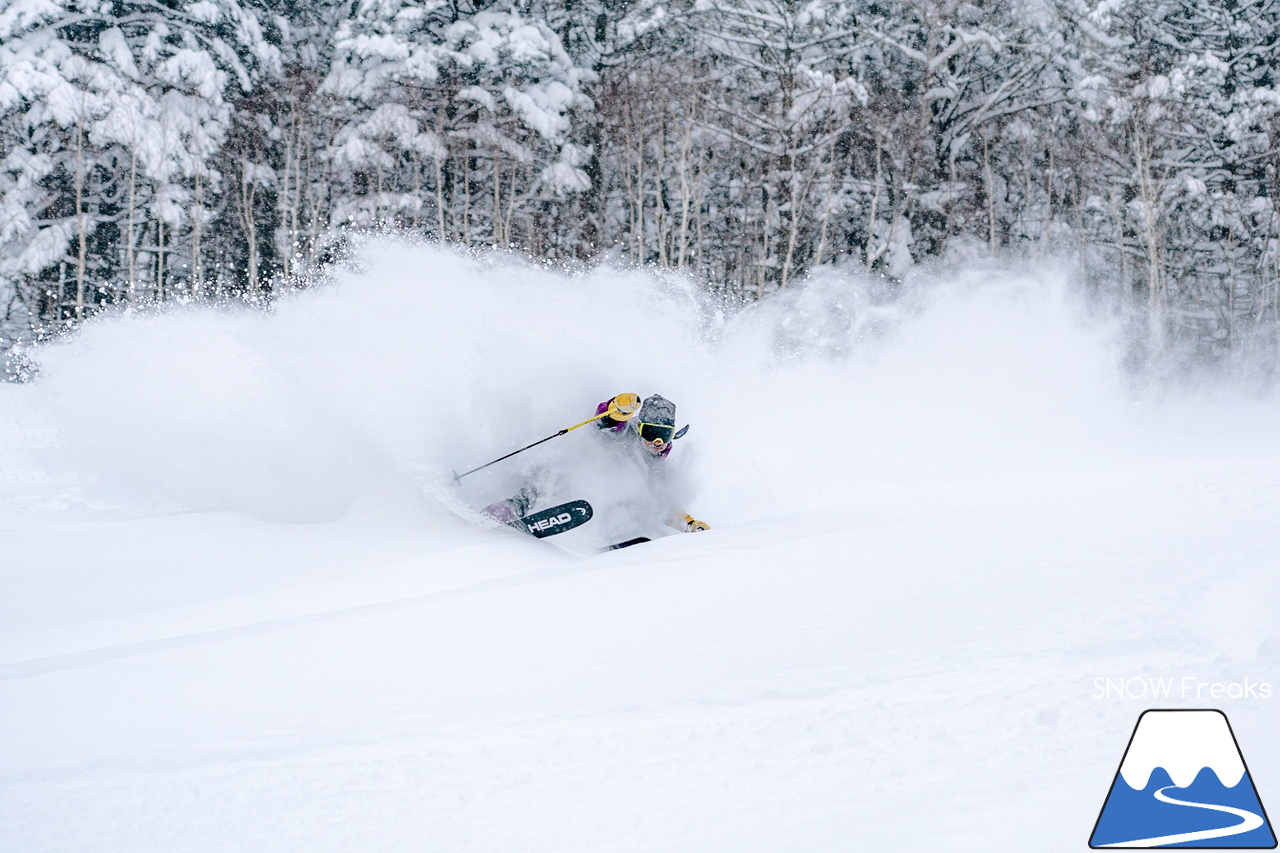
[{"x": 1183, "y": 783}]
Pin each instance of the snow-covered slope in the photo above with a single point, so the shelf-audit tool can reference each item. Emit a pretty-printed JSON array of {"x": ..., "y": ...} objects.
[{"x": 241, "y": 610}]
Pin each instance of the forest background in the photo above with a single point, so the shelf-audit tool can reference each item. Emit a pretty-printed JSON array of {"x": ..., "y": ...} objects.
[{"x": 161, "y": 150}]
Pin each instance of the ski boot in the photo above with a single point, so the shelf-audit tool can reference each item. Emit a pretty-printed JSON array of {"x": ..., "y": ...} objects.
[{"x": 511, "y": 510}]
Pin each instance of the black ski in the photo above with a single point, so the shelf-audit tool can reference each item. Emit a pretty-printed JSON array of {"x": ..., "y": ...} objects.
[
  {"x": 557, "y": 519},
  {"x": 627, "y": 544}
]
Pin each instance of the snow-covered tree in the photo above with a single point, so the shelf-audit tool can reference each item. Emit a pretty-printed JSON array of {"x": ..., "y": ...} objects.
[
  {"x": 111, "y": 112},
  {"x": 457, "y": 121},
  {"x": 1186, "y": 113},
  {"x": 784, "y": 92}
]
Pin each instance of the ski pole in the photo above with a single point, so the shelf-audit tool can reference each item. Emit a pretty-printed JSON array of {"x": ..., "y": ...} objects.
[{"x": 457, "y": 477}]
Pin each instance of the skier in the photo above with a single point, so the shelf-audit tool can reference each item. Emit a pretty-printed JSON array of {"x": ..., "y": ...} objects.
[
  {"x": 649, "y": 425},
  {"x": 653, "y": 425}
]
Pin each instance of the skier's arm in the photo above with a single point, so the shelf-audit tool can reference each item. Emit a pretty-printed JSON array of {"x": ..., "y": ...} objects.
[{"x": 617, "y": 411}]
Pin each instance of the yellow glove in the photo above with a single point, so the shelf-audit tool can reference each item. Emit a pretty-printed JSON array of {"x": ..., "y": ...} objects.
[
  {"x": 692, "y": 525},
  {"x": 623, "y": 406}
]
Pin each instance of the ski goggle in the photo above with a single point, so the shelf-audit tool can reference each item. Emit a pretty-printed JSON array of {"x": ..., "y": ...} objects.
[{"x": 657, "y": 433}]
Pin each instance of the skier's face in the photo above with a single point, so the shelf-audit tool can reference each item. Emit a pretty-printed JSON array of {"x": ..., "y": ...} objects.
[{"x": 655, "y": 447}]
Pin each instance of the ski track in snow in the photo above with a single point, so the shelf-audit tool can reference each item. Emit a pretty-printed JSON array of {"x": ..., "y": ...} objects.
[{"x": 239, "y": 609}]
